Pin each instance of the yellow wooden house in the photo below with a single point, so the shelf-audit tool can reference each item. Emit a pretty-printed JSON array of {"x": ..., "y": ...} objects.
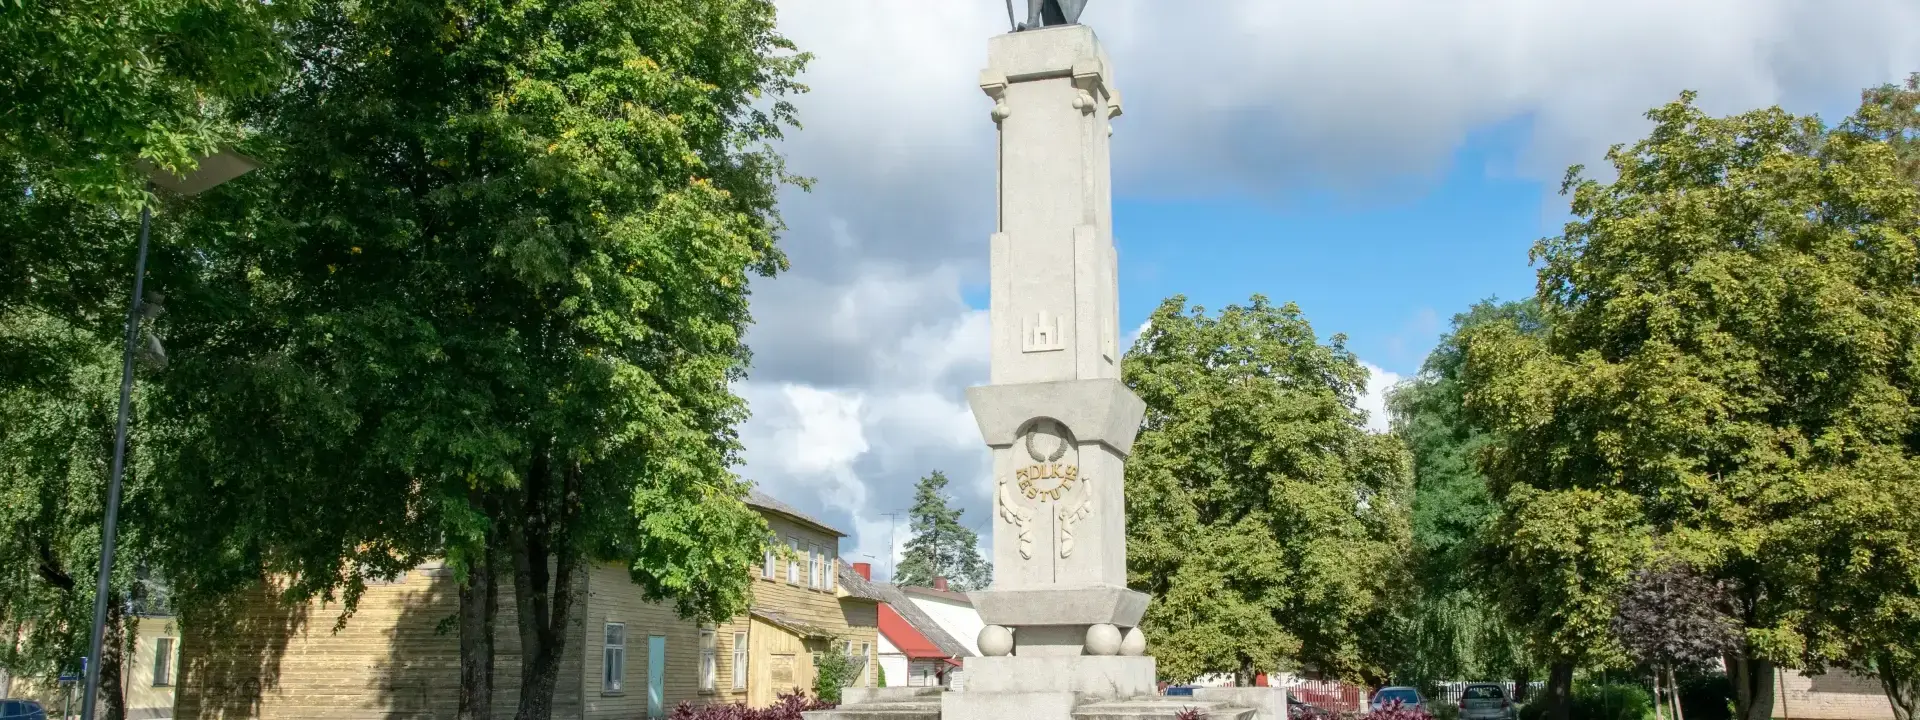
[{"x": 627, "y": 658}]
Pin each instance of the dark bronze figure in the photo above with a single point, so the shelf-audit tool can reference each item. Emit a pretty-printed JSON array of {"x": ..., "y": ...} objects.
[{"x": 1047, "y": 13}]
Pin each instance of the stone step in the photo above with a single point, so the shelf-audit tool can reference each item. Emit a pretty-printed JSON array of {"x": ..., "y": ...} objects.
[
  {"x": 879, "y": 711},
  {"x": 1155, "y": 708}
]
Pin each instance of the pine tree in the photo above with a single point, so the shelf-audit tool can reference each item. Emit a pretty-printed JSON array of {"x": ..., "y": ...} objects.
[{"x": 941, "y": 545}]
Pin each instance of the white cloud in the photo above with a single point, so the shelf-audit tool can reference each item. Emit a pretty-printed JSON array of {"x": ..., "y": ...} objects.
[
  {"x": 1374, "y": 402},
  {"x": 863, "y": 350}
]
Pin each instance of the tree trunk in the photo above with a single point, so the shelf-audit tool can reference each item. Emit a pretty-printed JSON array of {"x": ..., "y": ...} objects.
[
  {"x": 1522, "y": 684},
  {"x": 1673, "y": 686},
  {"x": 1659, "y": 700},
  {"x": 545, "y": 600},
  {"x": 113, "y": 659},
  {"x": 1752, "y": 680},
  {"x": 1901, "y": 686},
  {"x": 479, "y": 606},
  {"x": 1560, "y": 690}
]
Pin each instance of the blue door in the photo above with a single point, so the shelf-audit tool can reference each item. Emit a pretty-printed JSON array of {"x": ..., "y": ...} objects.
[{"x": 656, "y": 676}]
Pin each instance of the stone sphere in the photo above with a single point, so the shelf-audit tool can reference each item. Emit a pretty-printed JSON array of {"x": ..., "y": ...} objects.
[
  {"x": 1134, "y": 644},
  {"x": 1103, "y": 639},
  {"x": 996, "y": 640}
]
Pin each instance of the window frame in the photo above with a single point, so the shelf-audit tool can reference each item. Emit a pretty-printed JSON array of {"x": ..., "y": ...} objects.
[
  {"x": 793, "y": 561},
  {"x": 613, "y": 660},
  {"x": 769, "y": 569},
  {"x": 814, "y": 555},
  {"x": 709, "y": 660},
  {"x": 740, "y": 659},
  {"x": 163, "y": 655}
]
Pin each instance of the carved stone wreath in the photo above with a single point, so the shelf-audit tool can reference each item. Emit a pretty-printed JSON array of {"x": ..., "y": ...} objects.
[{"x": 1030, "y": 481}]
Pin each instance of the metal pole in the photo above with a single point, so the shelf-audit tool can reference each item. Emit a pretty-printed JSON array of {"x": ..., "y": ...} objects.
[{"x": 111, "y": 528}]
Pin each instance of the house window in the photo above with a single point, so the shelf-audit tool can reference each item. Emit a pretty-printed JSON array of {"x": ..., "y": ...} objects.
[
  {"x": 615, "y": 669},
  {"x": 813, "y": 567},
  {"x": 709, "y": 666},
  {"x": 739, "y": 661},
  {"x": 163, "y": 662},
  {"x": 767, "y": 570},
  {"x": 793, "y": 562}
]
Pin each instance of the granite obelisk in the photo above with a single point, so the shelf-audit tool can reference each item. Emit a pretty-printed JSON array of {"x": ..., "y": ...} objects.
[{"x": 1061, "y": 623}]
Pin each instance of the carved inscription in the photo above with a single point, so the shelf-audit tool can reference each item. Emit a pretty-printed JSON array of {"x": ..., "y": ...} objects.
[
  {"x": 1040, "y": 332},
  {"x": 1046, "y": 481}
]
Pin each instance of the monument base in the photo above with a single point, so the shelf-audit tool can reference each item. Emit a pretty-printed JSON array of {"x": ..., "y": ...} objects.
[
  {"x": 1060, "y": 605},
  {"x": 1111, "y": 677}
]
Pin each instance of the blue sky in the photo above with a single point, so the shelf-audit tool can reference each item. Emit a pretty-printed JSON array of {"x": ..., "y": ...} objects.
[
  {"x": 1382, "y": 163},
  {"x": 1387, "y": 272}
]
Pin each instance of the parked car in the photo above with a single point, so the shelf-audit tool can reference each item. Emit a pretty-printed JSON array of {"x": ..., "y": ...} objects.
[
  {"x": 1408, "y": 698},
  {"x": 1485, "y": 701},
  {"x": 21, "y": 710}
]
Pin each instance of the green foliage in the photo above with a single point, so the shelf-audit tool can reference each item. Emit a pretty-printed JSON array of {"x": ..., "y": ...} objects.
[
  {"x": 1452, "y": 628},
  {"x": 1730, "y": 350},
  {"x": 1591, "y": 701},
  {"x": 90, "y": 86},
  {"x": 881, "y": 672},
  {"x": 941, "y": 546},
  {"x": 54, "y": 456},
  {"x": 1268, "y": 525},
  {"x": 832, "y": 670},
  {"x": 485, "y": 300},
  {"x": 1891, "y": 114},
  {"x": 1617, "y": 701}
]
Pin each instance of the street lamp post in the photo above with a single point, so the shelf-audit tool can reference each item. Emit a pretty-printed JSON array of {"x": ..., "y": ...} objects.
[{"x": 211, "y": 171}]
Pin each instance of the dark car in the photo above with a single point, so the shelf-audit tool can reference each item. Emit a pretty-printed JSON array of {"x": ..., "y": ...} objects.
[
  {"x": 1485, "y": 701},
  {"x": 1407, "y": 697},
  {"x": 21, "y": 710}
]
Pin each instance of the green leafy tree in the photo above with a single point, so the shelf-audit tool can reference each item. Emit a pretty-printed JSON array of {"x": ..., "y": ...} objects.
[
  {"x": 1268, "y": 525},
  {"x": 1453, "y": 627},
  {"x": 942, "y": 546},
  {"x": 485, "y": 300},
  {"x": 1891, "y": 114},
  {"x": 93, "y": 89},
  {"x": 95, "y": 93},
  {"x": 1731, "y": 325},
  {"x": 53, "y": 471}
]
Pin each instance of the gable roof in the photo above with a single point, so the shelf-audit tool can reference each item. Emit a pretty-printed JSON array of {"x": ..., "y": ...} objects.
[
  {"x": 857, "y": 586},
  {"x": 791, "y": 624},
  {"x": 901, "y": 620},
  {"x": 766, "y": 502},
  {"x": 943, "y": 595}
]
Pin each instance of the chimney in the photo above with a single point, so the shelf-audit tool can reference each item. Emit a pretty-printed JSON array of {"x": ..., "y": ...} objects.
[
  {"x": 865, "y": 570},
  {"x": 939, "y": 582}
]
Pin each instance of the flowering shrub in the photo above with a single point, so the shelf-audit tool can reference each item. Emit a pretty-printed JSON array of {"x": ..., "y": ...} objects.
[
  {"x": 1190, "y": 714},
  {"x": 1397, "y": 710},
  {"x": 1305, "y": 711},
  {"x": 788, "y": 707}
]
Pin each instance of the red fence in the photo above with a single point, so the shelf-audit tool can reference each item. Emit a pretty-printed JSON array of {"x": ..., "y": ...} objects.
[{"x": 1333, "y": 696}]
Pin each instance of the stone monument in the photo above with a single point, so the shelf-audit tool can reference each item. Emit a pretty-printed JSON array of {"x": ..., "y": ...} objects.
[{"x": 1062, "y": 637}]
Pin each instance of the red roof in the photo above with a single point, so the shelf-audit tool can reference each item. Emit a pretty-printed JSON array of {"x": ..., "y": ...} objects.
[{"x": 902, "y": 634}]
